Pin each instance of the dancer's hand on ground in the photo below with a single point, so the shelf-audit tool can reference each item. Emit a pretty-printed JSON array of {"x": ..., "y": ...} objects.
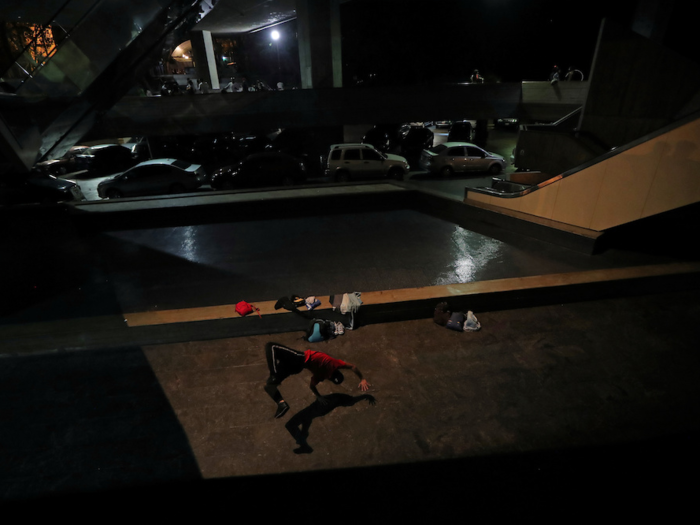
[{"x": 364, "y": 385}]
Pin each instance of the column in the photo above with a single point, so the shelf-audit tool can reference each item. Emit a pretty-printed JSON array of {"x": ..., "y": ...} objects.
[
  {"x": 205, "y": 62},
  {"x": 318, "y": 23}
]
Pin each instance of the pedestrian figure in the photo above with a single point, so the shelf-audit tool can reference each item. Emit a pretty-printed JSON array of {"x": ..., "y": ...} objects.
[
  {"x": 228, "y": 88},
  {"x": 280, "y": 86},
  {"x": 476, "y": 78},
  {"x": 554, "y": 75},
  {"x": 283, "y": 362},
  {"x": 204, "y": 87},
  {"x": 190, "y": 89}
]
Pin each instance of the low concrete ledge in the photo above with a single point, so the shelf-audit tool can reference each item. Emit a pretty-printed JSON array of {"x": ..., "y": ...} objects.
[
  {"x": 188, "y": 209},
  {"x": 459, "y": 292},
  {"x": 215, "y": 322}
]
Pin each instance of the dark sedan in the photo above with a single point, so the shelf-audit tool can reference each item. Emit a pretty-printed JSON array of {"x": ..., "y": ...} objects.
[
  {"x": 416, "y": 140},
  {"x": 104, "y": 158},
  {"x": 260, "y": 169},
  {"x": 461, "y": 131},
  {"x": 226, "y": 148},
  {"x": 37, "y": 187},
  {"x": 62, "y": 165},
  {"x": 310, "y": 145},
  {"x": 384, "y": 137}
]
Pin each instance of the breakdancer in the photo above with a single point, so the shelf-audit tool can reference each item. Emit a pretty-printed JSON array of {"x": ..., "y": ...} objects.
[{"x": 284, "y": 362}]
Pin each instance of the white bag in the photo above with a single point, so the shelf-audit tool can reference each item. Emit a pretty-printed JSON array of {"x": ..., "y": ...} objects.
[{"x": 471, "y": 323}]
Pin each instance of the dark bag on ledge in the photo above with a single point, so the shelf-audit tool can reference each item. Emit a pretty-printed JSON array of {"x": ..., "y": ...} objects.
[{"x": 442, "y": 314}]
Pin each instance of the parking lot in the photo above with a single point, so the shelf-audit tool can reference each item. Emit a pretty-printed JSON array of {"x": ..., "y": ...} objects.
[{"x": 500, "y": 141}]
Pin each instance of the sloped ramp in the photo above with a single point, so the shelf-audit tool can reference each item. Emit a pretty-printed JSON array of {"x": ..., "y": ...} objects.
[{"x": 652, "y": 175}]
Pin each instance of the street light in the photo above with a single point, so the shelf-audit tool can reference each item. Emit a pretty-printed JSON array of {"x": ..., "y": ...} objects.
[{"x": 276, "y": 37}]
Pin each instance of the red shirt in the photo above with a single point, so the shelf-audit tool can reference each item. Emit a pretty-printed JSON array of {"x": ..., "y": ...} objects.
[{"x": 321, "y": 365}]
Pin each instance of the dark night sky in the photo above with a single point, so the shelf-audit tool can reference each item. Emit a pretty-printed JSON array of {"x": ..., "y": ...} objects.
[
  {"x": 445, "y": 40},
  {"x": 508, "y": 40}
]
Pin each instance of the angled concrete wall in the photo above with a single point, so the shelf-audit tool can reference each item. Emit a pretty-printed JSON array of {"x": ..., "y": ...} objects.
[
  {"x": 655, "y": 176},
  {"x": 636, "y": 86}
]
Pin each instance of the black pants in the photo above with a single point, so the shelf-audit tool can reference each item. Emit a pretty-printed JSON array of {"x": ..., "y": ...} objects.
[{"x": 282, "y": 362}]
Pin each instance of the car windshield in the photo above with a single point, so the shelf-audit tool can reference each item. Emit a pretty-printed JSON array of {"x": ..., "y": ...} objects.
[
  {"x": 439, "y": 148},
  {"x": 181, "y": 164}
]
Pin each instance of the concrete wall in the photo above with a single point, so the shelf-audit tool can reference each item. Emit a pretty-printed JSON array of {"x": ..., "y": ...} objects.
[
  {"x": 655, "y": 176},
  {"x": 636, "y": 86},
  {"x": 551, "y": 151},
  {"x": 544, "y": 102}
]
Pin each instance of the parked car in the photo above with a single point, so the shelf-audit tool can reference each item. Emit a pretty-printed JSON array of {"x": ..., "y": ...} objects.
[
  {"x": 214, "y": 151},
  {"x": 362, "y": 161},
  {"x": 250, "y": 143},
  {"x": 385, "y": 137},
  {"x": 378, "y": 138},
  {"x": 310, "y": 145},
  {"x": 508, "y": 123},
  {"x": 104, "y": 158},
  {"x": 452, "y": 157},
  {"x": 461, "y": 131},
  {"x": 154, "y": 177},
  {"x": 443, "y": 123},
  {"x": 260, "y": 169},
  {"x": 139, "y": 149},
  {"x": 61, "y": 165},
  {"x": 172, "y": 147},
  {"x": 37, "y": 187},
  {"x": 416, "y": 140}
]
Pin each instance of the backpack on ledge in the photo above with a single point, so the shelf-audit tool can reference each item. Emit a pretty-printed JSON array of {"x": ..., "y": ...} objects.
[
  {"x": 319, "y": 330},
  {"x": 243, "y": 309},
  {"x": 442, "y": 314}
]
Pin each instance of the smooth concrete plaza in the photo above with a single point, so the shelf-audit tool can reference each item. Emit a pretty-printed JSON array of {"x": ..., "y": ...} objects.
[{"x": 584, "y": 396}]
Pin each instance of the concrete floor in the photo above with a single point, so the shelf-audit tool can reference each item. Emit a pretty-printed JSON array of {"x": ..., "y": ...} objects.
[
  {"x": 583, "y": 402},
  {"x": 598, "y": 398}
]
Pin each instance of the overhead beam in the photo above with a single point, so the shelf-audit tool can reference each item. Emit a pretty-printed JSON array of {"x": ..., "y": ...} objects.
[{"x": 183, "y": 115}]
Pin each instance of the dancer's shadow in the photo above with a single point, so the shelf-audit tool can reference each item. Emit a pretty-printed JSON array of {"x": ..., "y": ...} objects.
[{"x": 299, "y": 423}]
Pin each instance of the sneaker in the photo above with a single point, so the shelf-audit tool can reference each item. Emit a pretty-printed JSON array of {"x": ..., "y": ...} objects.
[{"x": 281, "y": 409}]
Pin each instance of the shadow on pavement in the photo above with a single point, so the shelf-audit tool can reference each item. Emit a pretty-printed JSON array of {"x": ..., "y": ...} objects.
[
  {"x": 298, "y": 425},
  {"x": 633, "y": 478},
  {"x": 87, "y": 421}
]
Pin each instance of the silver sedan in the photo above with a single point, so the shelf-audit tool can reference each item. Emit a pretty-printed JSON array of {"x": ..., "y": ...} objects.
[
  {"x": 452, "y": 157},
  {"x": 154, "y": 177}
]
